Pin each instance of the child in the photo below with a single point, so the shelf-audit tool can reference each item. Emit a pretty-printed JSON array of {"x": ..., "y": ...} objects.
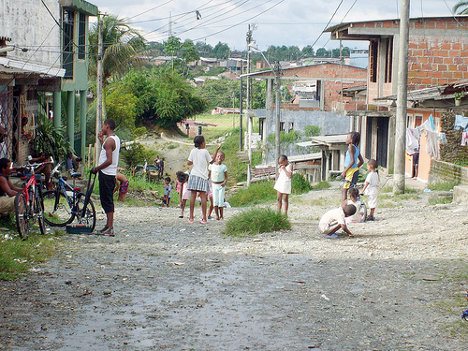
[
  {"x": 167, "y": 191},
  {"x": 358, "y": 217},
  {"x": 283, "y": 183},
  {"x": 218, "y": 176},
  {"x": 353, "y": 161},
  {"x": 184, "y": 193},
  {"x": 335, "y": 219},
  {"x": 371, "y": 187},
  {"x": 121, "y": 184},
  {"x": 198, "y": 182}
]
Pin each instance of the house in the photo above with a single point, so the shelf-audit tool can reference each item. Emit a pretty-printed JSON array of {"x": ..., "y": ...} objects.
[
  {"x": 44, "y": 66},
  {"x": 318, "y": 101},
  {"x": 438, "y": 56}
]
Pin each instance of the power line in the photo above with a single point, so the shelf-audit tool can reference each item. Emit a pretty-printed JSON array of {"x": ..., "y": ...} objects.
[
  {"x": 247, "y": 20},
  {"x": 151, "y": 9}
]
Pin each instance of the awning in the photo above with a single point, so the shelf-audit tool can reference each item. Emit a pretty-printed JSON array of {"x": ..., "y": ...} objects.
[{"x": 18, "y": 66}]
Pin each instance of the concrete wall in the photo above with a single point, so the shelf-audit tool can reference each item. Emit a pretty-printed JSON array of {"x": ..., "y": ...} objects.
[{"x": 29, "y": 25}]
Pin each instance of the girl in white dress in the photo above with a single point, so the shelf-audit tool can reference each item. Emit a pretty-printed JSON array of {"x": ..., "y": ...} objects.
[
  {"x": 283, "y": 183},
  {"x": 371, "y": 187}
]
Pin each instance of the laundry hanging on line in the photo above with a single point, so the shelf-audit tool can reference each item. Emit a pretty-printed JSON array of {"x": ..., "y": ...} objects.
[
  {"x": 412, "y": 140},
  {"x": 461, "y": 122}
]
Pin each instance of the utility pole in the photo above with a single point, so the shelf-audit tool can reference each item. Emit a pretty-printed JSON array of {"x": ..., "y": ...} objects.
[
  {"x": 247, "y": 109},
  {"x": 241, "y": 99},
  {"x": 277, "y": 70},
  {"x": 99, "y": 90},
  {"x": 402, "y": 94}
]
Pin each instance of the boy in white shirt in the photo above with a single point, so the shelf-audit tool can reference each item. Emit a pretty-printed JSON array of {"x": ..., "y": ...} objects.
[
  {"x": 334, "y": 220},
  {"x": 371, "y": 187}
]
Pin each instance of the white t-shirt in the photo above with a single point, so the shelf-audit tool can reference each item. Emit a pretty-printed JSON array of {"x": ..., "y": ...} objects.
[
  {"x": 373, "y": 180},
  {"x": 112, "y": 168},
  {"x": 217, "y": 172},
  {"x": 331, "y": 217},
  {"x": 200, "y": 158}
]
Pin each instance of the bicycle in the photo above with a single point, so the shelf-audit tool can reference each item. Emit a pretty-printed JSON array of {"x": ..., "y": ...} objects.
[
  {"x": 28, "y": 203},
  {"x": 66, "y": 203}
]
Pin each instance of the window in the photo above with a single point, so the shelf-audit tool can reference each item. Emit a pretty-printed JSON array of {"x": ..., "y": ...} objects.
[
  {"x": 291, "y": 126},
  {"x": 373, "y": 50},
  {"x": 388, "y": 60},
  {"x": 82, "y": 37},
  {"x": 67, "y": 41},
  {"x": 281, "y": 126}
]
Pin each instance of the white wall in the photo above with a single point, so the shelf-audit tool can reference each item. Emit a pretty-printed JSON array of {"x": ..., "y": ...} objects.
[{"x": 28, "y": 24}]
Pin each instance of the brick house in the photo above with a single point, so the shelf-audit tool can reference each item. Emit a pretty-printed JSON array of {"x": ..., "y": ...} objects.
[{"x": 438, "y": 56}]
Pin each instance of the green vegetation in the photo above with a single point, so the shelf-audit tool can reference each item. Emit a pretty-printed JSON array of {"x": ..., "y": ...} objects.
[
  {"x": 311, "y": 130},
  {"x": 18, "y": 256},
  {"x": 285, "y": 137},
  {"x": 299, "y": 184},
  {"x": 440, "y": 200},
  {"x": 321, "y": 185},
  {"x": 255, "y": 221},
  {"x": 442, "y": 186},
  {"x": 257, "y": 193}
]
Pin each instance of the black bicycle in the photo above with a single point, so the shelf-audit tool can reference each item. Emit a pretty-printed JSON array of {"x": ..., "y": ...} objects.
[{"x": 66, "y": 203}]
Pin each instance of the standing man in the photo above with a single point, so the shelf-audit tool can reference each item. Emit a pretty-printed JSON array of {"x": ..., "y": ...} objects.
[{"x": 107, "y": 168}]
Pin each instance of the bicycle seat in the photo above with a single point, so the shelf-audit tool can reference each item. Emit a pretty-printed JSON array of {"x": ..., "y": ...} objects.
[{"x": 75, "y": 175}]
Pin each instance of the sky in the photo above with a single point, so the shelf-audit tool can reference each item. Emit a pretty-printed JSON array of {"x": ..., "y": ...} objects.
[{"x": 277, "y": 22}]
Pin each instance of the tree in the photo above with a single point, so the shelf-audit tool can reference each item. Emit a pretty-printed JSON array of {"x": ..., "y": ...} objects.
[
  {"x": 204, "y": 49},
  {"x": 322, "y": 52},
  {"x": 220, "y": 92},
  {"x": 172, "y": 46},
  {"x": 122, "y": 44},
  {"x": 461, "y": 8},
  {"x": 189, "y": 52},
  {"x": 308, "y": 51},
  {"x": 221, "y": 50}
]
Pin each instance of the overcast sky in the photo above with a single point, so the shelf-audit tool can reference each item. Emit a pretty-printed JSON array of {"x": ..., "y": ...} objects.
[{"x": 290, "y": 22}]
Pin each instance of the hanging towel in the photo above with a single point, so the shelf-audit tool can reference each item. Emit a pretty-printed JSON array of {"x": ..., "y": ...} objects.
[
  {"x": 432, "y": 146},
  {"x": 442, "y": 138},
  {"x": 464, "y": 139},
  {"x": 412, "y": 140},
  {"x": 461, "y": 122}
]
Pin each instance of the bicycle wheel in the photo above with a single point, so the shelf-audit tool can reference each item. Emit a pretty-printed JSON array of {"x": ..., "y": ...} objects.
[
  {"x": 39, "y": 212},
  {"x": 57, "y": 210},
  {"x": 363, "y": 212},
  {"x": 22, "y": 218},
  {"x": 89, "y": 219}
]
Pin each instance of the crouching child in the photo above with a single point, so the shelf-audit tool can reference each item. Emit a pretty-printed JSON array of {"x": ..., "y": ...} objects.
[{"x": 335, "y": 219}]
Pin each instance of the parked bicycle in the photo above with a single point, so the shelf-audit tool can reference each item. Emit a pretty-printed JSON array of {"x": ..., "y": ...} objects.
[
  {"x": 28, "y": 203},
  {"x": 67, "y": 202}
]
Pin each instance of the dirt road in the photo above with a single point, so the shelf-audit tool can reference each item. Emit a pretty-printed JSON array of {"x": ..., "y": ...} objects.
[{"x": 163, "y": 284}]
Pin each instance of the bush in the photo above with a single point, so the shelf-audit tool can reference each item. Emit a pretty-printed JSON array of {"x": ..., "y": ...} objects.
[
  {"x": 442, "y": 186},
  {"x": 299, "y": 184},
  {"x": 255, "y": 221},
  {"x": 311, "y": 130}
]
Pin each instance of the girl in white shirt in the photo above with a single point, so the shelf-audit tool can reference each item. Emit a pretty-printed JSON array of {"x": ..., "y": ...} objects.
[
  {"x": 371, "y": 187},
  {"x": 283, "y": 183},
  {"x": 198, "y": 182}
]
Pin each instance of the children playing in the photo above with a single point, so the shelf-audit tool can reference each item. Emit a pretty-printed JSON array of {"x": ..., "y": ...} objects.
[
  {"x": 283, "y": 184},
  {"x": 353, "y": 161},
  {"x": 371, "y": 187},
  {"x": 198, "y": 182},
  {"x": 167, "y": 191},
  {"x": 335, "y": 219},
  {"x": 218, "y": 176}
]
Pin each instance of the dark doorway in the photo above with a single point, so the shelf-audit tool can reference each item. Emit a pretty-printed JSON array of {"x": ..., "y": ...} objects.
[{"x": 382, "y": 141}]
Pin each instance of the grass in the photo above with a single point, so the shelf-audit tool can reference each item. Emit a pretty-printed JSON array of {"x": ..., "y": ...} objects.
[
  {"x": 18, "y": 256},
  {"x": 257, "y": 193},
  {"x": 299, "y": 184},
  {"x": 224, "y": 124},
  {"x": 439, "y": 200},
  {"x": 255, "y": 221},
  {"x": 442, "y": 186}
]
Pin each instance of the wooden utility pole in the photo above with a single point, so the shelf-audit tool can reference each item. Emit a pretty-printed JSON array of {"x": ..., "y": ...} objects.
[
  {"x": 247, "y": 109},
  {"x": 277, "y": 70},
  {"x": 99, "y": 90},
  {"x": 402, "y": 93},
  {"x": 241, "y": 99}
]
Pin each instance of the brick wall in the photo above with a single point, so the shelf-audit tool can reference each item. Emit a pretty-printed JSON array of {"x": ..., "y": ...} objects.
[
  {"x": 436, "y": 60},
  {"x": 448, "y": 172}
]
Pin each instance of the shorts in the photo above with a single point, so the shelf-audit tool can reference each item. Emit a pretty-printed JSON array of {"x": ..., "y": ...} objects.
[
  {"x": 351, "y": 178},
  {"x": 123, "y": 187},
  {"x": 372, "y": 201},
  {"x": 218, "y": 195},
  {"x": 198, "y": 184},
  {"x": 326, "y": 228},
  {"x": 106, "y": 191}
]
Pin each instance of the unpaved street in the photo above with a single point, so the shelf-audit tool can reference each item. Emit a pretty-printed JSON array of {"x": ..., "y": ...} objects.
[{"x": 163, "y": 284}]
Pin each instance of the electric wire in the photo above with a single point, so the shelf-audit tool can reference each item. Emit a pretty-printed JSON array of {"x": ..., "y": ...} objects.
[{"x": 151, "y": 9}]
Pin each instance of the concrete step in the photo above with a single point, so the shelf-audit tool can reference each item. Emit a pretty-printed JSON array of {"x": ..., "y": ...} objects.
[{"x": 460, "y": 194}]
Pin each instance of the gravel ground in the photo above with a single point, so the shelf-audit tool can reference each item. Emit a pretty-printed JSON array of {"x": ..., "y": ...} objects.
[{"x": 163, "y": 284}]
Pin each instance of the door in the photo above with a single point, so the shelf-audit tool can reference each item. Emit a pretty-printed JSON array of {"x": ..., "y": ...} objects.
[{"x": 382, "y": 141}]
